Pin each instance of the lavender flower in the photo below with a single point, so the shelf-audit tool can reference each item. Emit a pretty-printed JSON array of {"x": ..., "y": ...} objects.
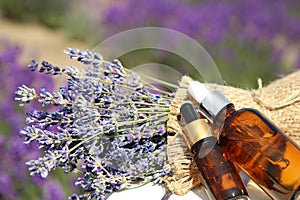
[
  {"x": 210, "y": 20},
  {"x": 254, "y": 33},
  {"x": 53, "y": 191},
  {"x": 13, "y": 171},
  {"x": 108, "y": 126},
  {"x": 298, "y": 62}
]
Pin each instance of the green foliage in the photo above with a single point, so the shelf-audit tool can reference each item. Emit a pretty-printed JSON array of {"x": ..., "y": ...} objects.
[
  {"x": 47, "y": 12},
  {"x": 241, "y": 64},
  {"x": 82, "y": 24}
]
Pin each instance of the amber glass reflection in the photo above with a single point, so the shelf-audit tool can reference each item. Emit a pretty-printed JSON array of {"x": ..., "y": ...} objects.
[
  {"x": 218, "y": 173},
  {"x": 263, "y": 152}
]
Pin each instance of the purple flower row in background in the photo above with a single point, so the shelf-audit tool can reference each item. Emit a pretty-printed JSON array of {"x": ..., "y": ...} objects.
[
  {"x": 212, "y": 22},
  {"x": 14, "y": 176}
]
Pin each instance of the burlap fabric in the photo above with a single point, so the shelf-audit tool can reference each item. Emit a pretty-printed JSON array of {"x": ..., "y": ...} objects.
[{"x": 279, "y": 101}]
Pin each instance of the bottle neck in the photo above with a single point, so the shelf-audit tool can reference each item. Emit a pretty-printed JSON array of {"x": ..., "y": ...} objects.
[
  {"x": 216, "y": 108},
  {"x": 221, "y": 117}
]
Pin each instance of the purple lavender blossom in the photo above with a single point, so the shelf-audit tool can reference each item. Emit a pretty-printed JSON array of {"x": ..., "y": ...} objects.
[
  {"x": 53, "y": 191},
  {"x": 107, "y": 125},
  {"x": 244, "y": 27},
  {"x": 13, "y": 171},
  {"x": 298, "y": 62},
  {"x": 7, "y": 186},
  {"x": 209, "y": 20}
]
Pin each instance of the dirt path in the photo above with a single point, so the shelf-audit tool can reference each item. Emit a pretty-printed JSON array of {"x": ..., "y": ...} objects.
[{"x": 39, "y": 42}]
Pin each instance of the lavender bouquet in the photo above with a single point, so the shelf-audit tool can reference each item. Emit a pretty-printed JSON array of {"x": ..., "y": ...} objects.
[{"x": 108, "y": 128}]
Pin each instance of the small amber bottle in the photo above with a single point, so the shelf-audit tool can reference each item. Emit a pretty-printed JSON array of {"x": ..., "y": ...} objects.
[
  {"x": 218, "y": 174},
  {"x": 253, "y": 142}
]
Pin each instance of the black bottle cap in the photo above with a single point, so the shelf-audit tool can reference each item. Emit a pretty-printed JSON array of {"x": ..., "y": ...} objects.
[{"x": 188, "y": 112}]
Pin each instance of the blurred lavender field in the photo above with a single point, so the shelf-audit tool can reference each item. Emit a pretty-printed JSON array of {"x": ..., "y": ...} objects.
[
  {"x": 247, "y": 39},
  {"x": 251, "y": 38},
  {"x": 14, "y": 179}
]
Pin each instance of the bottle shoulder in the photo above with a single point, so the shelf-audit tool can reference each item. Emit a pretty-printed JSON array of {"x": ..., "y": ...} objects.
[
  {"x": 251, "y": 121},
  {"x": 232, "y": 118},
  {"x": 246, "y": 113},
  {"x": 250, "y": 110}
]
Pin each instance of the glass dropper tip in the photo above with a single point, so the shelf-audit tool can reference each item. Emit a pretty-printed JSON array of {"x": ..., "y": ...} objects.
[{"x": 198, "y": 91}]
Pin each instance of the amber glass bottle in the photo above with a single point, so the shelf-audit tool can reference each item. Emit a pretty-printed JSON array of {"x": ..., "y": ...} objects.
[
  {"x": 255, "y": 144},
  {"x": 263, "y": 151},
  {"x": 218, "y": 174}
]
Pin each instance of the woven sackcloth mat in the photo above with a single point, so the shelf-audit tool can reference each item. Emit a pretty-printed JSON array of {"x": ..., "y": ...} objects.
[{"x": 279, "y": 101}]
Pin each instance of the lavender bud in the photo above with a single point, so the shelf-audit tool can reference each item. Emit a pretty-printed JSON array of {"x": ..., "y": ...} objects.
[{"x": 25, "y": 94}]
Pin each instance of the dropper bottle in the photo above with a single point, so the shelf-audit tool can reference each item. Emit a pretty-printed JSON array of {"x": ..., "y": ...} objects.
[
  {"x": 253, "y": 142},
  {"x": 218, "y": 174}
]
